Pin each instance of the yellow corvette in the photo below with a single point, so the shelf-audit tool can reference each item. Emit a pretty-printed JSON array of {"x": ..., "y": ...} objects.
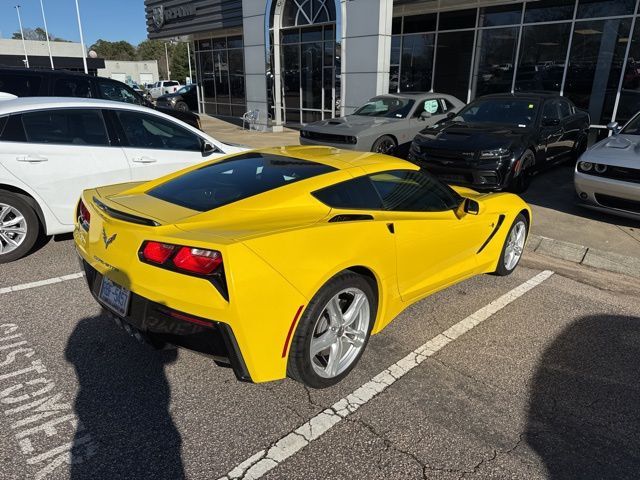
[{"x": 284, "y": 261}]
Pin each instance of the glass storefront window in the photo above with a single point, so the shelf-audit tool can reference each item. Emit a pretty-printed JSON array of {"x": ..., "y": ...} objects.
[
  {"x": 549, "y": 10},
  {"x": 543, "y": 52},
  {"x": 605, "y": 8},
  {"x": 595, "y": 65},
  {"x": 453, "y": 63},
  {"x": 629, "y": 103},
  {"x": 221, "y": 74},
  {"x": 457, "y": 19},
  {"x": 500, "y": 15},
  {"x": 420, "y": 23},
  {"x": 417, "y": 62},
  {"x": 495, "y": 56}
]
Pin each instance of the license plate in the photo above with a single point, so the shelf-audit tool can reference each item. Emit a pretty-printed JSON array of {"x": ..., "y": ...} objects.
[{"x": 114, "y": 296}]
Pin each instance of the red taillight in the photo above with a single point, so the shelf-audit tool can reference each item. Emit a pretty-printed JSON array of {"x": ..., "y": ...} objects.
[
  {"x": 157, "y": 252},
  {"x": 84, "y": 217},
  {"x": 197, "y": 260}
]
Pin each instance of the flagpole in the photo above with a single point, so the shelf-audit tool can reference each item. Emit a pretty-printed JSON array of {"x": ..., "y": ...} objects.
[
  {"x": 24, "y": 44},
  {"x": 84, "y": 52},
  {"x": 46, "y": 32}
]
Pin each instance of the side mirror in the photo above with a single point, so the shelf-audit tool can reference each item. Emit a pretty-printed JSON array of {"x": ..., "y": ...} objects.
[
  {"x": 467, "y": 206},
  {"x": 208, "y": 149},
  {"x": 550, "y": 122},
  {"x": 424, "y": 116},
  {"x": 614, "y": 127},
  {"x": 450, "y": 115},
  {"x": 471, "y": 207}
]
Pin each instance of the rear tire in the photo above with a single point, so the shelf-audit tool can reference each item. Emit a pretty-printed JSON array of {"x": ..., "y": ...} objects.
[
  {"x": 385, "y": 144},
  {"x": 19, "y": 227},
  {"x": 327, "y": 346},
  {"x": 513, "y": 247}
]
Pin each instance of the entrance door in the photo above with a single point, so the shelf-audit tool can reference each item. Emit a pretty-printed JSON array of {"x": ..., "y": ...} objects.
[{"x": 309, "y": 61}]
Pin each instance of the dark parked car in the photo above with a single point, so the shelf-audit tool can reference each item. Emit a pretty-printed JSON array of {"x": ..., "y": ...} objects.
[
  {"x": 184, "y": 100},
  {"x": 24, "y": 82},
  {"x": 498, "y": 141}
]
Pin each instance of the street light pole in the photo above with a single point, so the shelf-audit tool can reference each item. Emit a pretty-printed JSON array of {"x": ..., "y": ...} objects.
[
  {"x": 166, "y": 57},
  {"x": 46, "y": 32},
  {"x": 189, "y": 57},
  {"x": 24, "y": 44},
  {"x": 84, "y": 53}
]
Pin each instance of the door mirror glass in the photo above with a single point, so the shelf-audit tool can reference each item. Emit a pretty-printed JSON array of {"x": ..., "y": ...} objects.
[
  {"x": 208, "y": 148},
  {"x": 471, "y": 206},
  {"x": 425, "y": 115},
  {"x": 451, "y": 115},
  {"x": 550, "y": 122}
]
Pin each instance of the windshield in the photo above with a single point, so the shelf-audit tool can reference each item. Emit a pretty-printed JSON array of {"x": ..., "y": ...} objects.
[
  {"x": 388, "y": 107},
  {"x": 243, "y": 176},
  {"x": 633, "y": 127},
  {"x": 506, "y": 111}
]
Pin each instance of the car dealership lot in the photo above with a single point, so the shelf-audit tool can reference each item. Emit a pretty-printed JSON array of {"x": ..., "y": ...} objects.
[{"x": 545, "y": 387}]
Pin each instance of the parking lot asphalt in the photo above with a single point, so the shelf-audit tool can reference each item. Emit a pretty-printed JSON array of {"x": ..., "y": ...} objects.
[{"x": 540, "y": 383}]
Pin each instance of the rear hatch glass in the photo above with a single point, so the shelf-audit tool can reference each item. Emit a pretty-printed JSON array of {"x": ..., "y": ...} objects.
[{"x": 240, "y": 177}]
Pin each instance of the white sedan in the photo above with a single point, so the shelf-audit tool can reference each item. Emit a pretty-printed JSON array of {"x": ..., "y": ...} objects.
[{"x": 51, "y": 149}]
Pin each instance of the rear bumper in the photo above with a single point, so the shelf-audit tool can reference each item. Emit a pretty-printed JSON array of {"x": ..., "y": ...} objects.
[{"x": 159, "y": 325}]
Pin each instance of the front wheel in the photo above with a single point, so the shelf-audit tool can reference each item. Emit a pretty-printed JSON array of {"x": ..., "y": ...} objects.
[
  {"x": 513, "y": 246},
  {"x": 385, "y": 144},
  {"x": 522, "y": 177},
  {"x": 182, "y": 107},
  {"x": 333, "y": 331},
  {"x": 19, "y": 227}
]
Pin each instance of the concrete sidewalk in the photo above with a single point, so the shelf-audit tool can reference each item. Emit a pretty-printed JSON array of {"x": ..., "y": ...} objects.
[{"x": 228, "y": 132}]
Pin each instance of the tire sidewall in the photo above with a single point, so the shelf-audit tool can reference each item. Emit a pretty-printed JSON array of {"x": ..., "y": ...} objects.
[
  {"x": 299, "y": 364},
  {"x": 33, "y": 225},
  {"x": 374, "y": 147},
  {"x": 501, "y": 270},
  {"x": 521, "y": 182},
  {"x": 182, "y": 107}
]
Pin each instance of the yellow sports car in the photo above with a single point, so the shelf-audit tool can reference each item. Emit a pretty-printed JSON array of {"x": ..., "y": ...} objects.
[{"x": 284, "y": 261}]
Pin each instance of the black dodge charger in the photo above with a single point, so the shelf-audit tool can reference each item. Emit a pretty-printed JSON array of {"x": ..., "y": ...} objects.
[{"x": 498, "y": 141}]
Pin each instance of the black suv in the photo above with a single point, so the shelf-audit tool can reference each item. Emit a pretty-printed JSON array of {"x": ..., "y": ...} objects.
[
  {"x": 498, "y": 141},
  {"x": 184, "y": 99},
  {"x": 24, "y": 82}
]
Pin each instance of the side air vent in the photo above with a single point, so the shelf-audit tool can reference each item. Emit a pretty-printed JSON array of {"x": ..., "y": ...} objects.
[
  {"x": 493, "y": 233},
  {"x": 347, "y": 217},
  {"x": 125, "y": 217}
]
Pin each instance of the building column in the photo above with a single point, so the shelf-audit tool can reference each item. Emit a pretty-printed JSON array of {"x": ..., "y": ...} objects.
[
  {"x": 366, "y": 50},
  {"x": 253, "y": 17}
]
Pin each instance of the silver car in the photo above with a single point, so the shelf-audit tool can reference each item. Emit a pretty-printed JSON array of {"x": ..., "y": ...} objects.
[
  {"x": 607, "y": 176},
  {"x": 383, "y": 123}
]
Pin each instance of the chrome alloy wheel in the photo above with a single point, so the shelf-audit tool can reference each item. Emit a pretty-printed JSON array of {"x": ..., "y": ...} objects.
[
  {"x": 13, "y": 228},
  {"x": 386, "y": 146},
  {"x": 340, "y": 332},
  {"x": 515, "y": 245}
]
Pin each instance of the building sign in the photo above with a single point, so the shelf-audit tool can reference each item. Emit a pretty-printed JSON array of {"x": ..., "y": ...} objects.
[{"x": 162, "y": 15}]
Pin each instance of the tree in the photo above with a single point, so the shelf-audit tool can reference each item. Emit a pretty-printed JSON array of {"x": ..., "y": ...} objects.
[
  {"x": 121, "y": 50},
  {"x": 178, "y": 61},
  {"x": 153, "y": 50},
  {"x": 37, "y": 33}
]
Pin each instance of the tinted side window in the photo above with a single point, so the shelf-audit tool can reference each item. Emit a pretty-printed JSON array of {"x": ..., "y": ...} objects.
[
  {"x": 565, "y": 109},
  {"x": 69, "y": 126},
  {"x": 149, "y": 131},
  {"x": 354, "y": 194},
  {"x": 11, "y": 129},
  {"x": 550, "y": 110},
  {"x": 433, "y": 106},
  {"x": 72, "y": 87},
  {"x": 20, "y": 85},
  {"x": 413, "y": 191},
  {"x": 117, "y": 93}
]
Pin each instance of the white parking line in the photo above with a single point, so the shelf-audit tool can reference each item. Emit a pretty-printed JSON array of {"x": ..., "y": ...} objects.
[
  {"x": 41, "y": 283},
  {"x": 265, "y": 460}
]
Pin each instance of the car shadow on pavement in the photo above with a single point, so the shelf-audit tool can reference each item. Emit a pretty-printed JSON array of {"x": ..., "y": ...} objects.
[
  {"x": 584, "y": 412},
  {"x": 553, "y": 188},
  {"x": 123, "y": 403}
]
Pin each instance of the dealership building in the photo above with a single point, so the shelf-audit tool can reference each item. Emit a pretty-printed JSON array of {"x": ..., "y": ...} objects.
[{"x": 298, "y": 61}]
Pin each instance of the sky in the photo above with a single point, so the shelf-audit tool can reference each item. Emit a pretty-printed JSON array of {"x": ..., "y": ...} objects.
[{"x": 111, "y": 20}]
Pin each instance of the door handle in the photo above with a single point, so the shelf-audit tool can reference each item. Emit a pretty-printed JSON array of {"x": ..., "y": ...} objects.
[
  {"x": 144, "y": 159},
  {"x": 32, "y": 158}
]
